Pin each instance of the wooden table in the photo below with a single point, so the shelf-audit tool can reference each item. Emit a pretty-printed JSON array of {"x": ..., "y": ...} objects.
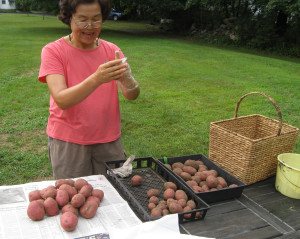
[{"x": 261, "y": 212}]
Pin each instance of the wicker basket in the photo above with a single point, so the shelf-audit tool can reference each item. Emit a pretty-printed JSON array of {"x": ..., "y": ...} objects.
[{"x": 247, "y": 146}]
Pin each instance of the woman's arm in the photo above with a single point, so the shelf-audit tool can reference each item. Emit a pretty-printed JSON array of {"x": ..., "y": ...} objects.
[{"x": 66, "y": 97}]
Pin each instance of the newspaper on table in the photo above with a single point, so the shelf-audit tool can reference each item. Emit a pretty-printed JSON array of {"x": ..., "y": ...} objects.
[{"x": 114, "y": 212}]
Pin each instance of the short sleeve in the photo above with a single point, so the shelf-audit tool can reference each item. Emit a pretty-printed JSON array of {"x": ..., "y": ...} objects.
[{"x": 51, "y": 62}]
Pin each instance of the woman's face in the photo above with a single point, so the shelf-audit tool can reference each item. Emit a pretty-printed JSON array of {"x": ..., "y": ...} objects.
[{"x": 89, "y": 13}]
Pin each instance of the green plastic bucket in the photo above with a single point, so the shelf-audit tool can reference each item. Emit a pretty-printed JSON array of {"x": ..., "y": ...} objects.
[{"x": 288, "y": 175}]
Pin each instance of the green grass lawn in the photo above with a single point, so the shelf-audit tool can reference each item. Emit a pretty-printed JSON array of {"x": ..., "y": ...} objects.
[{"x": 185, "y": 85}]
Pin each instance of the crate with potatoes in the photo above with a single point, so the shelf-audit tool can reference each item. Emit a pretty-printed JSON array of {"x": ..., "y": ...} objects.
[
  {"x": 207, "y": 180},
  {"x": 152, "y": 191}
]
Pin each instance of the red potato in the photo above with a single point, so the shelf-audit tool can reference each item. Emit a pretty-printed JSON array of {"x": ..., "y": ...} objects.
[
  {"x": 205, "y": 188},
  {"x": 154, "y": 200},
  {"x": 51, "y": 207},
  {"x": 68, "y": 221},
  {"x": 178, "y": 171},
  {"x": 70, "y": 208},
  {"x": 185, "y": 176},
  {"x": 71, "y": 190},
  {"x": 79, "y": 183},
  {"x": 95, "y": 199},
  {"x": 136, "y": 180},
  {"x": 169, "y": 193},
  {"x": 196, "y": 178},
  {"x": 60, "y": 182},
  {"x": 180, "y": 194},
  {"x": 86, "y": 191},
  {"x": 165, "y": 212},
  {"x": 222, "y": 182},
  {"x": 191, "y": 204},
  {"x": 192, "y": 163},
  {"x": 177, "y": 165},
  {"x": 71, "y": 182},
  {"x": 182, "y": 202},
  {"x": 50, "y": 191},
  {"x": 152, "y": 192},
  {"x": 62, "y": 197},
  {"x": 175, "y": 208},
  {"x": 151, "y": 205},
  {"x": 189, "y": 169},
  {"x": 202, "y": 168},
  {"x": 88, "y": 209},
  {"x": 98, "y": 193},
  {"x": 35, "y": 211},
  {"x": 187, "y": 209},
  {"x": 156, "y": 212},
  {"x": 170, "y": 185},
  {"x": 233, "y": 185},
  {"x": 191, "y": 183},
  {"x": 78, "y": 200},
  {"x": 212, "y": 181},
  {"x": 34, "y": 195},
  {"x": 168, "y": 166}
]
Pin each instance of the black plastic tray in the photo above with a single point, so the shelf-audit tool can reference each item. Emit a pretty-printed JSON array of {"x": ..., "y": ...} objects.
[
  {"x": 211, "y": 196},
  {"x": 154, "y": 176}
]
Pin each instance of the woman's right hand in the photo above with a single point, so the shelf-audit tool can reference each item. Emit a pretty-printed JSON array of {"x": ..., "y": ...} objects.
[{"x": 109, "y": 71}]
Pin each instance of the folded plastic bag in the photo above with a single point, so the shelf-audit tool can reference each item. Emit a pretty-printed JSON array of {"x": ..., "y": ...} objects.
[{"x": 126, "y": 169}]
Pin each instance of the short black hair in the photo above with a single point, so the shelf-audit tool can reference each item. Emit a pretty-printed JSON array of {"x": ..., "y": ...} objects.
[{"x": 68, "y": 8}]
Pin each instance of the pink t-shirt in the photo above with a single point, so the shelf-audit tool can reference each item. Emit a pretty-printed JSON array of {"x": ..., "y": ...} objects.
[{"x": 97, "y": 118}]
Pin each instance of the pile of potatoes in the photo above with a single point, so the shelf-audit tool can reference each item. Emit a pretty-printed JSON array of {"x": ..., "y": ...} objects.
[
  {"x": 174, "y": 201},
  {"x": 198, "y": 177},
  {"x": 71, "y": 196}
]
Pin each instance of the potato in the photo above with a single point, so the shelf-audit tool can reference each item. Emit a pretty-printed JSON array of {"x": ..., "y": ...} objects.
[
  {"x": 155, "y": 212},
  {"x": 95, "y": 199},
  {"x": 170, "y": 200},
  {"x": 60, "y": 182},
  {"x": 199, "y": 162},
  {"x": 202, "y": 183},
  {"x": 71, "y": 182},
  {"x": 202, "y": 168},
  {"x": 88, "y": 209},
  {"x": 165, "y": 212},
  {"x": 192, "y": 163},
  {"x": 191, "y": 183},
  {"x": 151, "y": 205},
  {"x": 212, "y": 181},
  {"x": 154, "y": 200},
  {"x": 189, "y": 169},
  {"x": 169, "y": 193},
  {"x": 34, "y": 195},
  {"x": 98, "y": 193},
  {"x": 177, "y": 165},
  {"x": 136, "y": 180},
  {"x": 153, "y": 192},
  {"x": 178, "y": 171},
  {"x": 205, "y": 188},
  {"x": 62, "y": 197},
  {"x": 51, "y": 207},
  {"x": 35, "y": 211},
  {"x": 161, "y": 206},
  {"x": 86, "y": 191},
  {"x": 191, "y": 203},
  {"x": 170, "y": 185},
  {"x": 71, "y": 190},
  {"x": 175, "y": 208},
  {"x": 70, "y": 208},
  {"x": 68, "y": 221},
  {"x": 197, "y": 189},
  {"x": 79, "y": 183},
  {"x": 196, "y": 178},
  {"x": 168, "y": 166},
  {"x": 187, "y": 209},
  {"x": 213, "y": 172},
  {"x": 203, "y": 175},
  {"x": 233, "y": 185},
  {"x": 78, "y": 200},
  {"x": 180, "y": 194},
  {"x": 50, "y": 191},
  {"x": 222, "y": 182},
  {"x": 182, "y": 202},
  {"x": 185, "y": 176}
]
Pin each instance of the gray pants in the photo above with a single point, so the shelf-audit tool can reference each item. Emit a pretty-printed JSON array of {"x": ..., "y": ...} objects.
[{"x": 71, "y": 160}]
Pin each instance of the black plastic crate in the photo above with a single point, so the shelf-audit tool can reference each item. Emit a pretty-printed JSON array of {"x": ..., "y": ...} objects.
[
  {"x": 211, "y": 196},
  {"x": 154, "y": 176}
]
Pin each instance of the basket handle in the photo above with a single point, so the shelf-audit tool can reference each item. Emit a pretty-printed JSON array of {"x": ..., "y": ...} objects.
[{"x": 273, "y": 101}]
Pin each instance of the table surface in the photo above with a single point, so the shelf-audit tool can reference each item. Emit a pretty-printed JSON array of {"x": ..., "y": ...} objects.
[{"x": 261, "y": 212}]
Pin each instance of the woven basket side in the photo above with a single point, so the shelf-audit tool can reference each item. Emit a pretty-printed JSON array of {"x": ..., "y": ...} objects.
[{"x": 249, "y": 160}]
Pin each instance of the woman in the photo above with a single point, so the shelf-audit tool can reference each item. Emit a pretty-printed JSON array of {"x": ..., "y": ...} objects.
[{"x": 83, "y": 73}]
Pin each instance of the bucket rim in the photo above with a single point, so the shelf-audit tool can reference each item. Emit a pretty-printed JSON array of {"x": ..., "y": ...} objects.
[{"x": 285, "y": 164}]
